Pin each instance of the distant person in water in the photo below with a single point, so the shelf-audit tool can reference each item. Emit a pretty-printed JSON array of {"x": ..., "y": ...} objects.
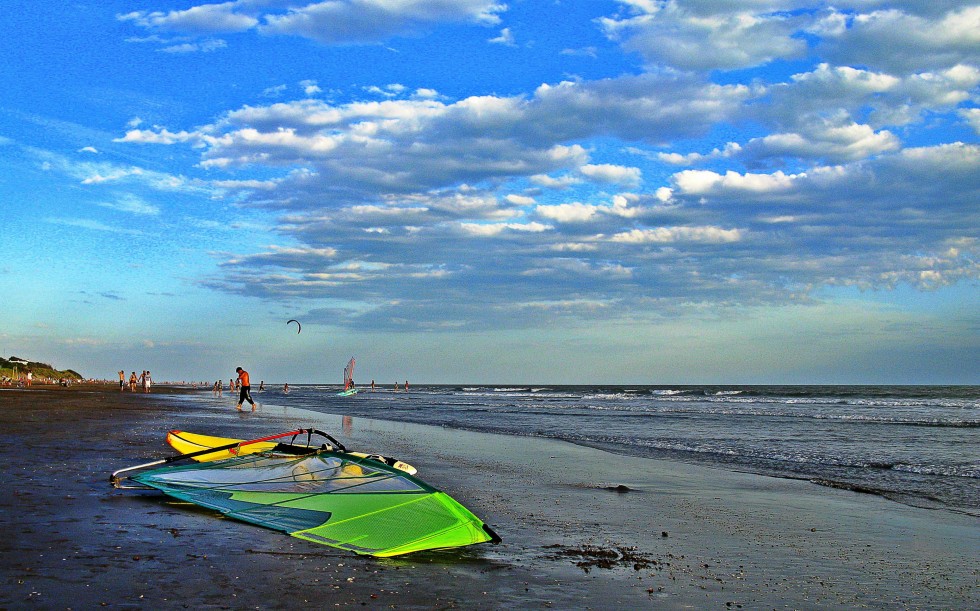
[
  {"x": 406, "y": 385},
  {"x": 245, "y": 389},
  {"x": 285, "y": 388},
  {"x": 261, "y": 385}
]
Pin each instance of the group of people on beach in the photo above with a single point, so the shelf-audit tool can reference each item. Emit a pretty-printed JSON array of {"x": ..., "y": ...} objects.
[
  {"x": 244, "y": 387},
  {"x": 144, "y": 381},
  {"x": 23, "y": 381},
  {"x": 27, "y": 380}
]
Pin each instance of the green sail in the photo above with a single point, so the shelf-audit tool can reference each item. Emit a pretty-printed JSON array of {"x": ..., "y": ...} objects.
[{"x": 332, "y": 498}]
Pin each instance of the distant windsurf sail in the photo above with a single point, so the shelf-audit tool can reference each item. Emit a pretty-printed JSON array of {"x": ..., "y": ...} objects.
[
  {"x": 349, "y": 375},
  {"x": 327, "y": 496}
]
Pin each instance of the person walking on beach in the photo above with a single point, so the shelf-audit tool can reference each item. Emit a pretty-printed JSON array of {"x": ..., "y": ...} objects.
[
  {"x": 147, "y": 381},
  {"x": 122, "y": 380},
  {"x": 132, "y": 382},
  {"x": 244, "y": 389}
]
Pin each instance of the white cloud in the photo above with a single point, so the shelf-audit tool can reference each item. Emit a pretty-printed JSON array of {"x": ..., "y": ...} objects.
[
  {"x": 956, "y": 157},
  {"x": 287, "y": 257},
  {"x": 132, "y": 204},
  {"x": 425, "y": 94},
  {"x": 730, "y": 150},
  {"x": 705, "y": 182},
  {"x": 558, "y": 183},
  {"x": 93, "y": 225},
  {"x": 310, "y": 87},
  {"x": 203, "y": 18},
  {"x": 892, "y": 100},
  {"x": 592, "y": 52},
  {"x": 506, "y": 38},
  {"x": 519, "y": 200},
  {"x": 663, "y": 235},
  {"x": 826, "y": 141},
  {"x": 333, "y": 22},
  {"x": 681, "y": 36},
  {"x": 695, "y": 35},
  {"x": 568, "y": 213},
  {"x": 972, "y": 117},
  {"x": 110, "y": 174},
  {"x": 274, "y": 92},
  {"x": 494, "y": 229},
  {"x": 366, "y": 21},
  {"x": 615, "y": 174},
  {"x": 205, "y": 46},
  {"x": 160, "y": 136},
  {"x": 913, "y": 42}
]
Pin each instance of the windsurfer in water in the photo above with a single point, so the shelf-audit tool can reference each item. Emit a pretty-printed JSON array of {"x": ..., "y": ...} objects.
[{"x": 245, "y": 393}]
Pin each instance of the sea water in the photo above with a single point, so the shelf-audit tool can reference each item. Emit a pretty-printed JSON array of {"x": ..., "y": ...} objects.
[{"x": 918, "y": 445}]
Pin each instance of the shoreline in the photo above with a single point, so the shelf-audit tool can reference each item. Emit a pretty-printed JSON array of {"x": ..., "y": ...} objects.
[
  {"x": 569, "y": 540},
  {"x": 896, "y": 475}
]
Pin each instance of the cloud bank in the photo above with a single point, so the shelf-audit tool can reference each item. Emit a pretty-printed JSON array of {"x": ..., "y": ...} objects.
[{"x": 856, "y": 167}]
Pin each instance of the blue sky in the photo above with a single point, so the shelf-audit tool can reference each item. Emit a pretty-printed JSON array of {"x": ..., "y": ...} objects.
[{"x": 632, "y": 191}]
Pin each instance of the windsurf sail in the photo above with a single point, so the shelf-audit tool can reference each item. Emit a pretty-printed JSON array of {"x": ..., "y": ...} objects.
[
  {"x": 349, "y": 375},
  {"x": 326, "y": 496}
]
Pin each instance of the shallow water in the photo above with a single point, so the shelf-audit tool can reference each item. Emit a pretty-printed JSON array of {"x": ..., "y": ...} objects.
[{"x": 916, "y": 445}]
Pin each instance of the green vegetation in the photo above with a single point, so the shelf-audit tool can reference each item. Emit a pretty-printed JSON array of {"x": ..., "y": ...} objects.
[{"x": 8, "y": 367}]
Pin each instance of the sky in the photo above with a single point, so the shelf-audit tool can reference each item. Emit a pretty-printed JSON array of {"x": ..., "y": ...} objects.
[{"x": 479, "y": 191}]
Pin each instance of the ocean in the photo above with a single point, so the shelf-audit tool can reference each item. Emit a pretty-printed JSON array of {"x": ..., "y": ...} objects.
[{"x": 918, "y": 445}]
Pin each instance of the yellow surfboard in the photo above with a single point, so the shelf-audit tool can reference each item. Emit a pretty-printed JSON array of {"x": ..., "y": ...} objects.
[{"x": 187, "y": 443}]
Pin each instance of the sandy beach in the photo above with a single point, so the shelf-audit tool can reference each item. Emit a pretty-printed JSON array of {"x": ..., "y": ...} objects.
[{"x": 680, "y": 537}]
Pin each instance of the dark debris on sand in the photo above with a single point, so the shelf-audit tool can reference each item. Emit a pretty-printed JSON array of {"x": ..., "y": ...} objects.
[{"x": 593, "y": 556}]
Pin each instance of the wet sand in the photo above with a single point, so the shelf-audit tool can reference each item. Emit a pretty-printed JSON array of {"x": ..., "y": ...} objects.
[{"x": 680, "y": 537}]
